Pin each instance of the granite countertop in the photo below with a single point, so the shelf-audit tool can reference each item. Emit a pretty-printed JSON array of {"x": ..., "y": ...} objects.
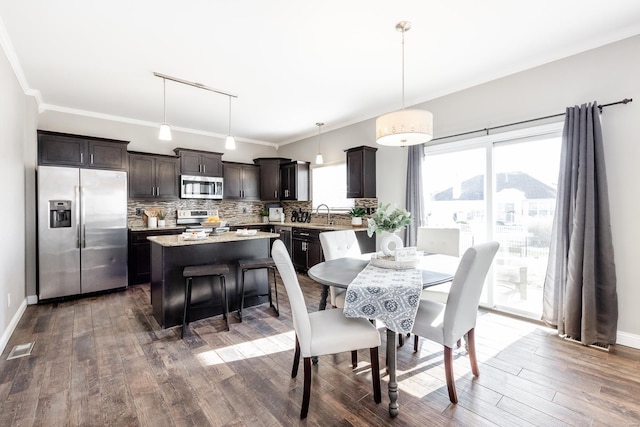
[
  {"x": 231, "y": 236},
  {"x": 311, "y": 225},
  {"x": 168, "y": 227},
  {"x": 250, "y": 224}
]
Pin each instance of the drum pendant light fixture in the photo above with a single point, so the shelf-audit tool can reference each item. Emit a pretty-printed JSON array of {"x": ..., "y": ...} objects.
[
  {"x": 319, "y": 159},
  {"x": 404, "y": 127},
  {"x": 165, "y": 129}
]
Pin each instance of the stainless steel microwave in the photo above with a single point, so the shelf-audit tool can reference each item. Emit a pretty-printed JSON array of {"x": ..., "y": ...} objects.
[{"x": 200, "y": 187}]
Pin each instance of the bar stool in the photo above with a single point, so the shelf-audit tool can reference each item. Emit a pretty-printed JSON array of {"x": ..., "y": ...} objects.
[
  {"x": 257, "y": 264},
  {"x": 213, "y": 270}
]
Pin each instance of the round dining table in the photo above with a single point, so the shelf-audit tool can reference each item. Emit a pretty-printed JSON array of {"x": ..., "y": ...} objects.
[{"x": 435, "y": 268}]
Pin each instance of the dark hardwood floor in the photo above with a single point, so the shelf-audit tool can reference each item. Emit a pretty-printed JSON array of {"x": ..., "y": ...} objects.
[{"x": 105, "y": 361}]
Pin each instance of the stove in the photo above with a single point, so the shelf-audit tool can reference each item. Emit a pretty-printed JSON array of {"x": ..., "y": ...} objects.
[{"x": 192, "y": 219}]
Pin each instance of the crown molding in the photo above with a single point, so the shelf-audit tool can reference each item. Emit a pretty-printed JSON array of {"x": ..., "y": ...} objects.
[
  {"x": 102, "y": 116},
  {"x": 10, "y": 53}
]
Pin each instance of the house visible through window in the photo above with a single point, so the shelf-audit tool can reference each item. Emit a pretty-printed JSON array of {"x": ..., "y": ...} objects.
[
  {"x": 329, "y": 186},
  {"x": 500, "y": 187}
]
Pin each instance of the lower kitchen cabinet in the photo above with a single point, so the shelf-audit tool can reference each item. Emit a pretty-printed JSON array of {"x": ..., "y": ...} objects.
[
  {"x": 140, "y": 253},
  {"x": 285, "y": 235},
  {"x": 306, "y": 248}
]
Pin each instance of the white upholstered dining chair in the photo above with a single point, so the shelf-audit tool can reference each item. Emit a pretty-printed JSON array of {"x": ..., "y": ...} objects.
[
  {"x": 339, "y": 244},
  {"x": 444, "y": 241},
  {"x": 447, "y": 323},
  {"x": 323, "y": 332}
]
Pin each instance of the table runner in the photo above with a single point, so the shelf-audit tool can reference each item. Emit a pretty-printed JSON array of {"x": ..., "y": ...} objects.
[{"x": 391, "y": 296}]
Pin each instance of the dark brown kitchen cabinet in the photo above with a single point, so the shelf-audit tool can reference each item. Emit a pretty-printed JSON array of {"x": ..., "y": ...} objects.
[
  {"x": 153, "y": 176},
  {"x": 139, "y": 263},
  {"x": 294, "y": 181},
  {"x": 361, "y": 172},
  {"x": 306, "y": 248},
  {"x": 270, "y": 177},
  {"x": 199, "y": 163},
  {"x": 61, "y": 149},
  {"x": 241, "y": 181}
]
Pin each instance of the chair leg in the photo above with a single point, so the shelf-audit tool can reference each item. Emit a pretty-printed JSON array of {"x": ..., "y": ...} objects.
[
  {"x": 241, "y": 295},
  {"x": 471, "y": 348},
  {"x": 448, "y": 369},
  {"x": 400, "y": 340},
  {"x": 275, "y": 288},
  {"x": 306, "y": 394},
  {"x": 375, "y": 374},
  {"x": 187, "y": 301},
  {"x": 223, "y": 285},
  {"x": 354, "y": 359},
  {"x": 296, "y": 360},
  {"x": 415, "y": 343}
]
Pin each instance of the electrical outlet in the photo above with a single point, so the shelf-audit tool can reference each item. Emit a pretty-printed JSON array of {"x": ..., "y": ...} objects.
[
  {"x": 244, "y": 210},
  {"x": 138, "y": 211}
]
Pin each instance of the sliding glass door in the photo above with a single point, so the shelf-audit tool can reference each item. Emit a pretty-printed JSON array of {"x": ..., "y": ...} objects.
[{"x": 500, "y": 188}]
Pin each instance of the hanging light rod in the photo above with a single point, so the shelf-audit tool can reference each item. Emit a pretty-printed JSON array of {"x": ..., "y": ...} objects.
[{"x": 194, "y": 84}]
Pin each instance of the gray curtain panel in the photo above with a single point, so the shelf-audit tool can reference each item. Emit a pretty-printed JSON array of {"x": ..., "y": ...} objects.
[
  {"x": 414, "y": 200},
  {"x": 580, "y": 296}
]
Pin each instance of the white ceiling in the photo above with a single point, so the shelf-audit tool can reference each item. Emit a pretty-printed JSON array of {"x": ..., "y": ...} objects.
[{"x": 292, "y": 63}]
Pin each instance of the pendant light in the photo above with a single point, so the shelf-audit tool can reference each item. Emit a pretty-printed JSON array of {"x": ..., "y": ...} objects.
[
  {"x": 404, "y": 127},
  {"x": 229, "y": 141},
  {"x": 165, "y": 129},
  {"x": 319, "y": 159}
]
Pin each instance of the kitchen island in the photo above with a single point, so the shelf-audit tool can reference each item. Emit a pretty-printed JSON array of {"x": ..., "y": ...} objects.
[{"x": 169, "y": 256}]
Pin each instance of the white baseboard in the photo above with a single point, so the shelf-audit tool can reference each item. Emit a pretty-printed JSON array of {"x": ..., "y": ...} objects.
[
  {"x": 32, "y": 299},
  {"x": 12, "y": 325},
  {"x": 629, "y": 340}
]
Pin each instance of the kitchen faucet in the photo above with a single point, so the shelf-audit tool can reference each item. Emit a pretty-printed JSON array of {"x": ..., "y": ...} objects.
[{"x": 328, "y": 213}]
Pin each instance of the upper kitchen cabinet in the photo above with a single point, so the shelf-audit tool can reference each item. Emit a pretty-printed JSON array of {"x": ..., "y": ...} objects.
[
  {"x": 294, "y": 181},
  {"x": 153, "y": 176},
  {"x": 61, "y": 149},
  {"x": 199, "y": 163},
  {"x": 241, "y": 181},
  {"x": 361, "y": 172},
  {"x": 270, "y": 177}
]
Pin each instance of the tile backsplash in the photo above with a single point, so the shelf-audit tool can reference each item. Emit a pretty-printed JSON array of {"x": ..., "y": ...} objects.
[{"x": 238, "y": 211}]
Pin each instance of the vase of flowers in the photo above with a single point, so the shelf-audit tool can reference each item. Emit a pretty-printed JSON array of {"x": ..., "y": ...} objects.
[{"x": 388, "y": 224}]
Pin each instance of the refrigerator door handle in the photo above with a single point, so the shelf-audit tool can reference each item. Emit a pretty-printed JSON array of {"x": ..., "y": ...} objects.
[
  {"x": 77, "y": 194},
  {"x": 84, "y": 226}
]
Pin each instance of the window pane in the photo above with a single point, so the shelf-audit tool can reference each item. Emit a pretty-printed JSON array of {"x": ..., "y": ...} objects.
[
  {"x": 525, "y": 177},
  {"x": 329, "y": 186},
  {"x": 454, "y": 185}
]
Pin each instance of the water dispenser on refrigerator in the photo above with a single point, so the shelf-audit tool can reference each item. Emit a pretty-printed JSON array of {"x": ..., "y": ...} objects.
[{"x": 59, "y": 213}]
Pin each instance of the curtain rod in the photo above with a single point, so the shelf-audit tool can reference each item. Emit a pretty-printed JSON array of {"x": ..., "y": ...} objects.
[
  {"x": 624, "y": 101},
  {"x": 194, "y": 84}
]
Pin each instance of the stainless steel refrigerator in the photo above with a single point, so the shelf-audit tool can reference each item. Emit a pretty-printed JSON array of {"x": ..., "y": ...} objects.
[{"x": 82, "y": 231}]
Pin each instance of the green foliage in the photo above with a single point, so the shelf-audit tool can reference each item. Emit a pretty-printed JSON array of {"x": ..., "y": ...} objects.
[
  {"x": 381, "y": 221},
  {"x": 264, "y": 212},
  {"x": 357, "y": 212}
]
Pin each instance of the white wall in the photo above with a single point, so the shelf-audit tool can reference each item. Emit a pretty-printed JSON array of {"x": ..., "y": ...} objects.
[
  {"x": 14, "y": 110},
  {"x": 606, "y": 74}
]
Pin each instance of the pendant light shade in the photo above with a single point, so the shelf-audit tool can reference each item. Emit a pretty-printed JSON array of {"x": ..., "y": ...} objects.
[
  {"x": 319, "y": 159},
  {"x": 229, "y": 141},
  {"x": 165, "y": 129},
  {"x": 404, "y": 127}
]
